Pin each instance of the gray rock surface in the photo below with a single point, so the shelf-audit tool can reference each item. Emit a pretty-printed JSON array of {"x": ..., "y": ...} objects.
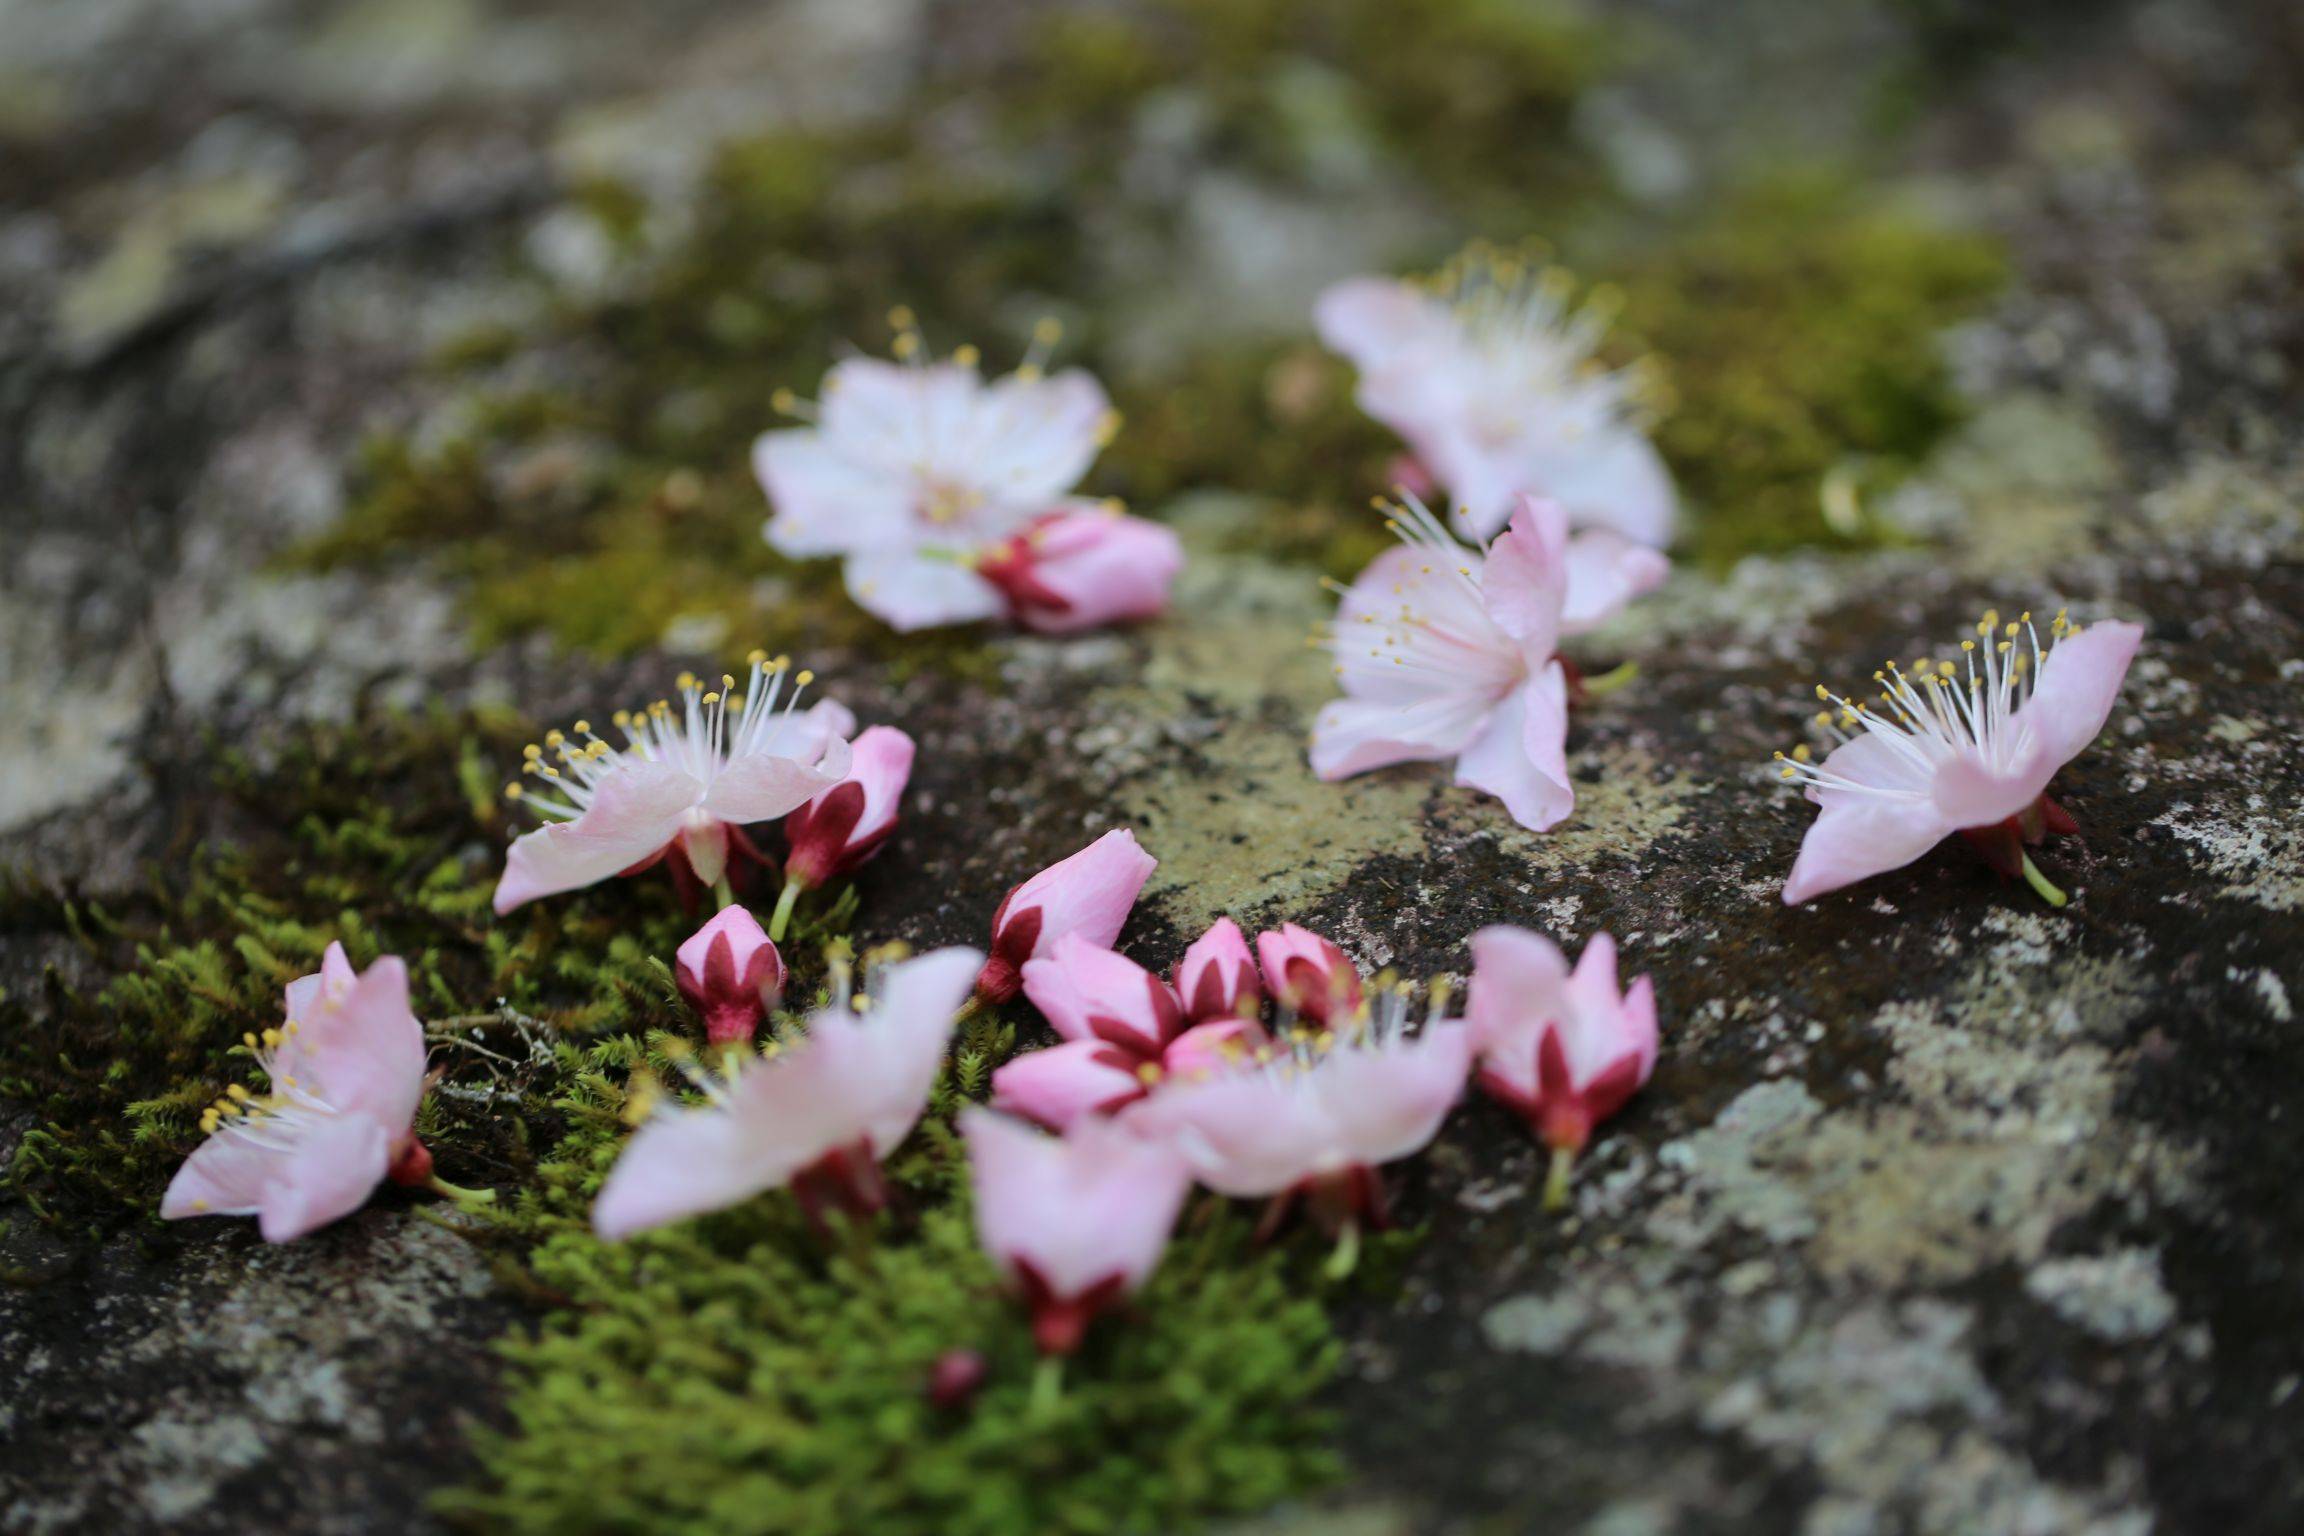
[{"x": 1945, "y": 1212}]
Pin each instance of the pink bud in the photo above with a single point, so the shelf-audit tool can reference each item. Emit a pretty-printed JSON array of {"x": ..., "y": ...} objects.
[
  {"x": 730, "y": 974},
  {"x": 1217, "y": 976},
  {"x": 958, "y": 1373},
  {"x": 845, "y": 825},
  {"x": 1084, "y": 568},
  {"x": 1089, "y": 893},
  {"x": 1308, "y": 974}
]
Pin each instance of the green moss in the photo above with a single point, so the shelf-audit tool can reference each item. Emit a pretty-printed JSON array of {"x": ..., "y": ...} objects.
[{"x": 1800, "y": 333}]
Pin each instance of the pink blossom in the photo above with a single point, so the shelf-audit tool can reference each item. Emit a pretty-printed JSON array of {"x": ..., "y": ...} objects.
[
  {"x": 1564, "y": 1050},
  {"x": 1489, "y": 373},
  {"x": 731, "y": 975},
  {"x": 1216, "y": 979},
  {"x": 1968, "y": 748},
  {"x": 1321, "y": 1118},
  {"x": 1083, "y": 567},
  {"x": 681, "y": 789},
  {"x": 1123, "y": 1033},
  {"x": 818, "y": 1116},
  {"x": 1089, "y": 893},
  {"x": 1075, "y": 1223},
  {"x": 912, "y": 469},
  {"x": 346, "y": 1073},
  {"x": 1444, "y": 651},
  {"x": 846, "y": 824},
  {"x": 1308, "y": 975}
]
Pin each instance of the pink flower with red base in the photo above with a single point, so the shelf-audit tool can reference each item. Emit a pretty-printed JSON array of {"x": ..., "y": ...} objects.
[
  {"x": 1317, "y": 1120},
  {"x": 816, "y": 1117},
  {"x": 1970, "y": 748},
  {"x": 1083, "y": 567},
  {"x": 346, "y": 1074},
  {"x": 1562, "y": 1049},
  {"x": 1445, "y": 651},
  {"x": 730, "y": 973},
  {"x": 1090, "y": 893},
  {"x": 845, "y": 826},
  {"x": 1124, "y": 1032},
  {"x": 1074, "y": 1224},
  {"x": 679, "y": 791}
]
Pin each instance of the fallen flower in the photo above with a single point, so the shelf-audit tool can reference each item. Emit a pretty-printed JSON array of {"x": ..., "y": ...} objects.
[
  {"x": 1083, "y": 567},
  {"x": 1320, "y": 1117},
  {"x": 1489, "y": 372},
  {"x": 1563, "y": 1050},
  {"x": 817, "y": 1116},
  {"x": 345, "y": 1073},
  {"x": 1074, "y": 1223},
  {"x": 1445, "y": 651},
  {"x": 912, "y": 469},
  {"x": 1089, "y": 893},
  {"x": 1308, "y": 976},
  {"x": 681, "y": 788},
  {"x": 846, "y": 824},
  {"x": 730, "y": 973},
  {"x": 1123, "y": 1034},
  {"x": 1968, "y": 748}
]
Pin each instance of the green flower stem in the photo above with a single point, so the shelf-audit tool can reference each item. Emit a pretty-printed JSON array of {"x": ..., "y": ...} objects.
[
  {"x": 459, "y": 1193},
  {"x": 723, "y": 892},
  {"x": 1609, "y": 681},
  {"x": 1047, "y": 1386},
  {"x": 2039, "y": 882},
  {"x": 782, "y": 917},
  {"x": 1346, "y": 1258},
  {"x": 1556, "y": 1178}
]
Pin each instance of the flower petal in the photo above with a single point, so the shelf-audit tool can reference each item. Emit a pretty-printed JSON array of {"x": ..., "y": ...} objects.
[
  {"x": 762, "y": 786},
  {"x": 908, "y": 589},
  {"x": 337, "y": 1166},
  {"x": 2077, "y": 686},
  {"x": 1605, "y": 572},
  {"x": 636, "y": 810},
  {"x": 1525, "y": 581},
  {"x": 1059, "y": 1084},
  {"x": 1522, "y": 757},
  {"x": 1858, "y": 836},
  {"x": 825, "y": 502},
  {"x": 1614, "y": 479}
]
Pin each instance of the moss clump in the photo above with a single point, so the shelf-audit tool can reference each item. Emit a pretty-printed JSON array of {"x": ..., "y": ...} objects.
[
  {"x": 735, "y": 1374},
  {"x": 1800, "y": 333},
  {"x": 1474, "y": 96}
]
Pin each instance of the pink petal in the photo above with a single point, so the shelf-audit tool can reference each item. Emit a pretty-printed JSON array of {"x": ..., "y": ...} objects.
[
  {"x": 1244, "y": 1134},
  {"x": 363, "y": 1051},
  {"x": 1120, "y": 573},
  {"x": 226, "y": 1175},
  {"x": 1215, "y": 1047},
  {"x": 1519, "y": 981},
  {"x": 1968, "y": 794},
  {"x": 762, "y": 786},
  {"x": 1096, "y": 1203},
  {"x": 1614, "y": 480},
  {"x": 1038, "y": 436},
  {"x": 1389, "y": 1100},
  {"x": 881, "y": 761},
  {"x": 1525, "y": 580},
  {"x": 1056, "y": 1086},
  {"x": 826, "y": 503},
  {"x": 685, "y": 1162},
  {"x": 1090, "y": 893},
  {"x": 1858, "y": 836},
  {"x": 2077, "y": 686},
  {"x": 1217, "y": 976},
  {"x": 637, "y": 809},
  {"x": 1522, "y": 757},
  {"x": 1371, "y": 319},
  {"x": 1088, "y": 992},
  {"x": 1605, "y": 572},
  {"x": 1355, "y": 736},
  {"x": 336, "y": 1167},
  {"x": 911, "y": 589}
]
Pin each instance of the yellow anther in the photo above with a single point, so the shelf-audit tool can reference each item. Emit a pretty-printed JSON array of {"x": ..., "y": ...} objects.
[
  {"x": 803, "y": 678},
  {"x": 1028, "y": 373},
  {"x": 553, "y": 739},
  {"x": 1789, "y": 773},
  {"x": 1802, "y": 753},
  {"x": 532, "y": 752},
  {"x": 1967, "y": 645},
  {"x": 712, "y": 698},
  {"x": 755, "y": 657},
  {"x": 965, "y": 355},
  {"x": 238, "y": 1093},
  {"x": 209, "y": 1121},
  {"x": 2012, "y": 630},
  {"x": 684, "y": 681},
  {"x": 782, "y": 402},
  {"x": 901, "y": 318},
  {"x": 1048, "y": 330},
  {"x": 1823, "y": 692},
  {"x": 727, "y": 680},
  {"x": 622, "y": 717},
  {"x": 513, "y": 791},
  {"x": 1149, "y": 1074},
  {"x": 583, "y": 727},
  {"x": 907, "y": 346}
]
